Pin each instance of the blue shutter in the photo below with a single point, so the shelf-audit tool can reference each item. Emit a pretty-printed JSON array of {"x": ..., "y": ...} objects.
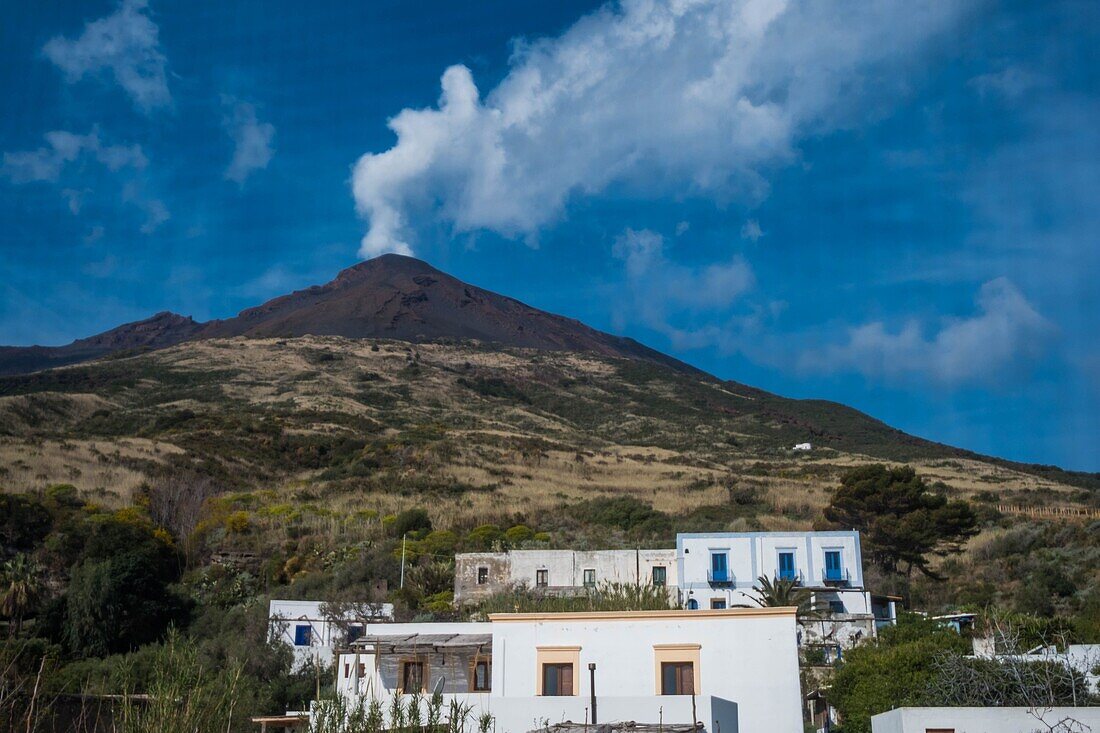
[
  {"x": 786, "y": 565},
  {"x": 302, "y": 635}
]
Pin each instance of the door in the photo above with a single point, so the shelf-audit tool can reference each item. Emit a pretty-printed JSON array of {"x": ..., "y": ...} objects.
[
  {"x": 719, "y": 568},
  {"x": 832, "y": 565},
  {"x": 786, "y": 565}
]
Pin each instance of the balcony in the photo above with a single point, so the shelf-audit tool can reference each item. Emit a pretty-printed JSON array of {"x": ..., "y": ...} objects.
[
  {"x": 790, "y": 576},
  {"x": 836, "y": 576},
  {"x": 720, "y": 577}
]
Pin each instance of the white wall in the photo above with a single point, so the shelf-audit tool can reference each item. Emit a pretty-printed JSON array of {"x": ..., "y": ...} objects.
[
  {"x": 980, "y": 720},
  {"x": 746, "y": 657},
  {"x": 748, "y": 668},
  {"x": 284, "y": 616},
  {"x": 752, "y": 554}
]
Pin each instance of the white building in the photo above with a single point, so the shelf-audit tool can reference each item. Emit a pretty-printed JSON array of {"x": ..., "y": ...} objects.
[
  {"x": 314, "y": 635},
  {"x": 731, "y": 670},
  {"x": 721, "y": 570},
  {"x": 559, "y": 572},
  {"x": 986, "y": 720}
]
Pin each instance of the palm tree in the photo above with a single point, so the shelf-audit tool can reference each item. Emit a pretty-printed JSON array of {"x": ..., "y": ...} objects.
[
  {"x": 22, "y": 587},
  {"x": 781, "y": 592}
]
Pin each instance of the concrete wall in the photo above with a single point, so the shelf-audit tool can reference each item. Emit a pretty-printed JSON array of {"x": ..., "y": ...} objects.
[
  {"x": 564, "y": 570},
  {"x": 517, "y": 715},
  {"x": 982, "y": 720}
]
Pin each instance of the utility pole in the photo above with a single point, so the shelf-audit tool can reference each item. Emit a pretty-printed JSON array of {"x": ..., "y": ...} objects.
[
  {"x": 403, "y": 559},
  {"x": 592, "y": 687}
]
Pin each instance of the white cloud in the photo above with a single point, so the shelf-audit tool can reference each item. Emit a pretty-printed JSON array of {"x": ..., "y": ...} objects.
[
  {"x": 682, "y": 228},
  {"x": 1011, "y": 82},
  {"x": 156, "y": 213},
  {"x": 63, "y": 147},
  {"x": 660, "y": 290},
  {"x": 694, "y": 97},
  {"x": 126, "y": 44},
  {"x": 74, "y": 198},
  {"x": 252, "y": 140},
  {"x": 1005, "y": 334},
  {"x": 751, "y": 230}
]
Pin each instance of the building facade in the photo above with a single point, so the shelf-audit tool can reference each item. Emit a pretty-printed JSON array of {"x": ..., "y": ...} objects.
[
  {"x": 314, "y": 631},
  {"x": 987, "y": 720},
  {"x": 559, "y": 572},
  {"x": 729, "y": 670}
]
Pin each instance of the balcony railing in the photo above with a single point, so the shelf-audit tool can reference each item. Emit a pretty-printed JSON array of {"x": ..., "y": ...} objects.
[
  {"x": 790, "y": 575},
  {"x": 719, "y": 577},
  {"x": 836, "y": 576}
]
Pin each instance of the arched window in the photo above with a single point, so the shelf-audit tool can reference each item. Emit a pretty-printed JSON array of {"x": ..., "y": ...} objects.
[{"x": 693, "y": 605}]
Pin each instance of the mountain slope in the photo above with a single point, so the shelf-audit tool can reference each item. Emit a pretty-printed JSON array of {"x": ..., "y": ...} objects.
[
  {"x": 459, "y": 425},
  {"x": 391, "y": 296},
  {"x": 163, "y": 329}
]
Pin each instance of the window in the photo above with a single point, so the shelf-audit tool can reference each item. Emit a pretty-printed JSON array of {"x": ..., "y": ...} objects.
[
  {"x": 412, "y": 677},
  {"x": 362, "y": 670},
  {"x": 676, "y": 669},
  {"x": 303, "y": 635},
  {"x": 719, "y": 567},
  {"x": 693, "y": 605},
  {"x": 786, "y": 566},
  {"x": 677, "y": 678},
  {"x": 354, "y": 632},
  {"x": 834, "y": 570},
  {"x": 482, "y": 676},
  {"x": 836, "y": 606},
  {"x": 542, "y": 578},
  {"x": 589, "y": 578},
  {"x": 717, "y": 603},
  {"x": 482, "y": 576},
  {"x": 557, "y": 680},
  {"x": 660, "y": 576}
]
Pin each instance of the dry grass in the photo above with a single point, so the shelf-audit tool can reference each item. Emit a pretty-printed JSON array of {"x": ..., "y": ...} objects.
[{"x": 94, "y": 467}]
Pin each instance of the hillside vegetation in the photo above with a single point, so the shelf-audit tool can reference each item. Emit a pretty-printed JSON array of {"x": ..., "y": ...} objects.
[{"x": 184, "y": 487}]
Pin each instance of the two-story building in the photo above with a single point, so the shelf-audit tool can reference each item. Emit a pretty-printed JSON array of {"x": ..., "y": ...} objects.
[
  {"x": 725, "y": 670},
  {"x": 705, "y": 571},
  {"x": 560, "y": 572}
]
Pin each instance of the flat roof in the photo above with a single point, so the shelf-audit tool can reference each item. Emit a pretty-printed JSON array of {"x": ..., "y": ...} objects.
[
  {"x": 700, "y": 614},
  {"x": 420, "y": 642}
]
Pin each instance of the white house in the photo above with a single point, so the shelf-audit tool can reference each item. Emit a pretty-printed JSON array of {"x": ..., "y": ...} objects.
[
  {"x": 559, "y": 572},
  {"x": 312, "y": 634},
  {"x": 721, "y": 570},
  {"x": 731, "y": 670},
  {"x": 987, "y": 720}
]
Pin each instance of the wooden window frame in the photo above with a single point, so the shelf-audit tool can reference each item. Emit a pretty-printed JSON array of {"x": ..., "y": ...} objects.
[
  {"x": 653, "y": 576},
  {"x": 558, "y": 655},
  {"x": 584, "y": 577},
  {"x": 542, "y": 578},
  {"x": 723, "y": 601},
  {"x": 474, "y": 663},
  {"x": 425, "y": 674},
  {"x": 676, "y": 653},
  {"x": 678, "y": 679},
  {"x": 482, "y": 575}
]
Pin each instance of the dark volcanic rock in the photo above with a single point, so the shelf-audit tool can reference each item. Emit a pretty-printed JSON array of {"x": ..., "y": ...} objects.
[
  {"x": 163, "y": 329},
  {"x": 391, "y": 297}
]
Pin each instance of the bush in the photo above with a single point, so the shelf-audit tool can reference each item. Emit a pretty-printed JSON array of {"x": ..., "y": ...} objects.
[
  {"x": 411, "y": 521},
  {"x": 625, "y": 513}
]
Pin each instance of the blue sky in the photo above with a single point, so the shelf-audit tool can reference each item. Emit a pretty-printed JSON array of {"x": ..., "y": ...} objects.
[{"x": 889, "y": 204}]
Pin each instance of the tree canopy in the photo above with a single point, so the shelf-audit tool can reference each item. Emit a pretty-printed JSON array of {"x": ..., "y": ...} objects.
[{"x": 901, "y": 522}]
